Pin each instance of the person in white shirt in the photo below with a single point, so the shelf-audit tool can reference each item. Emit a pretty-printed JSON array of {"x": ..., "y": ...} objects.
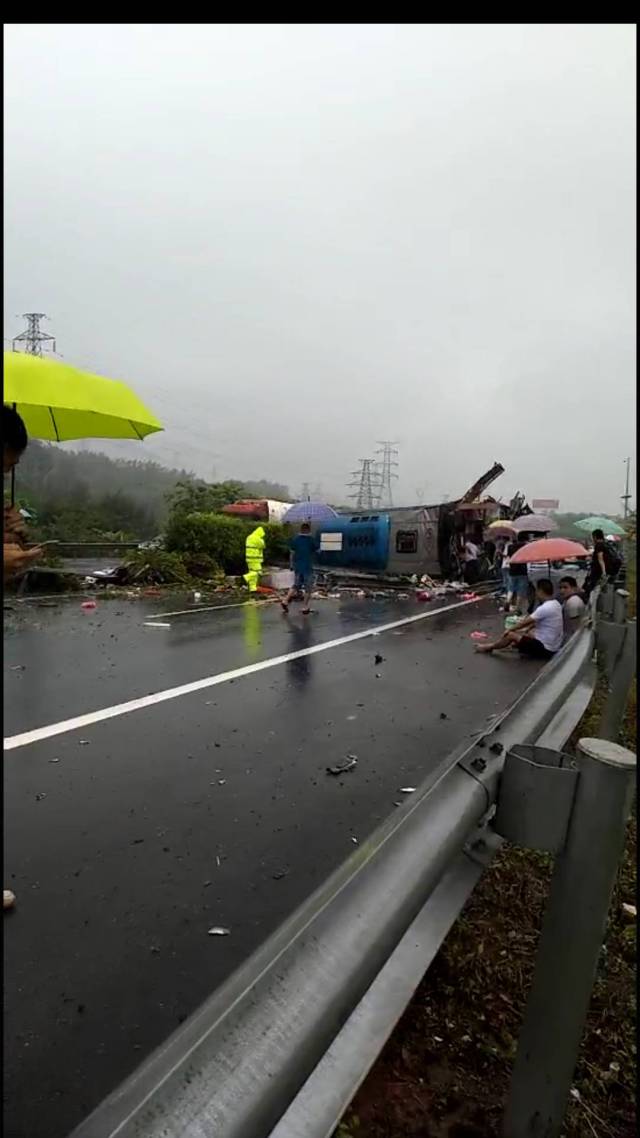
[
  {"x": 538, "y": 636},
  {"x": 573, "y": 606},
  {"x": 471, "y": 566}
]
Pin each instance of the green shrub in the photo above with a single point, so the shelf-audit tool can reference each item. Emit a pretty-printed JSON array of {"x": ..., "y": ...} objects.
[
  {"x": 223, "y": 538},
  {"x": 157, "y": 567}
]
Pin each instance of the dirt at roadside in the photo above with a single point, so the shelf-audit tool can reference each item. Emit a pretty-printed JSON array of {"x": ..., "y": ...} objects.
[{"x": 446, "y": 1069}]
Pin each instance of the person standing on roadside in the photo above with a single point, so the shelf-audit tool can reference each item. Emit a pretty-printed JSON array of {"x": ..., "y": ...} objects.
[
  {"x": 605, "y": 564},
  {"x": 471, "y": 562},
  {"x": 14, "y": 443},
  {"x": 15, "y": 557},
  {"x": 519, "y": 578},
  {"x": 302, "y": 550}
]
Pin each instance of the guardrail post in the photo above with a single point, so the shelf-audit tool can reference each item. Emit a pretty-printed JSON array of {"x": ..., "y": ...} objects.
[
  {"x": 620, "y": 680},
  {"x": 570, "y": 942}
]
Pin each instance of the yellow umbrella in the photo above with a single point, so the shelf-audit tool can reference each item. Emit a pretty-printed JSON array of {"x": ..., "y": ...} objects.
[{"x": 58, "y": 402}]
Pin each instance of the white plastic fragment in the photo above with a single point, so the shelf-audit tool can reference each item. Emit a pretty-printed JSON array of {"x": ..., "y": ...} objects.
[{"x": 217, "y": 930}]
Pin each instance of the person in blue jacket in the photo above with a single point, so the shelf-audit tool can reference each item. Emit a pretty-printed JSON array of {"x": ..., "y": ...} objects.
[{"x": 302, "y": 548}]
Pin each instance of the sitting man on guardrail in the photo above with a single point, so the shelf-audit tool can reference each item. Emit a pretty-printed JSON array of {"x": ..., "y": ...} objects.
[{"x": 538, "y": 636}]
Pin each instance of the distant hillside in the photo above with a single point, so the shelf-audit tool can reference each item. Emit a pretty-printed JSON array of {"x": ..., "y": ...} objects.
[{"x": 78, "y": 495}]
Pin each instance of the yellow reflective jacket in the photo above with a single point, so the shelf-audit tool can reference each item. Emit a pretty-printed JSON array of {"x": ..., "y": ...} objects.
[{"x": 255, "y": 543}]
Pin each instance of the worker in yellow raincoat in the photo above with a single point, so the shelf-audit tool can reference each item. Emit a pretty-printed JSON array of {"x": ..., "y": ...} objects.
[{"x": 254, "y": 550}]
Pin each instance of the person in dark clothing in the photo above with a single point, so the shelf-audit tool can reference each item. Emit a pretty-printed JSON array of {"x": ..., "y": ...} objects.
[
  {"x": 16, "y": 558},
  {"x": 303, "y": 548},
  {"x": 519, "y": 578},
  {"x": 604, "y": 563}
]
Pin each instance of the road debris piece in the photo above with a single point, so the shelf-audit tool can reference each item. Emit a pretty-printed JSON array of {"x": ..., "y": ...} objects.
[
  {"x": 630, "y": 911},
  {"x": 88, "y": 605},
  {"x": 39, "y": 797},
  {"x": 477, "y": 635},
  {"x": 379, "y": 659},
  {"x": 83, "y": 742},
  {"x": 18, "y": 668},
  {"x": 8, "y": 899},
  {"x": 345, "y": 765},
  {"x": 443, "y": 715},
  {"x": 279, "y": 874},
  {"x": 54, "y": 760},
  {"x": 407, "y": 789},
  {"x": 217, "y": 930}
]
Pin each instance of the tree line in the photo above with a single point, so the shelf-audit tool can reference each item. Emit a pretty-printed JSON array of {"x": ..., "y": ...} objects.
[{"x": 87, "y": 496}]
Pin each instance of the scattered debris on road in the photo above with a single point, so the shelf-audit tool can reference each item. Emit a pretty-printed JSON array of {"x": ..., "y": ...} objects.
[
  {"x": 379, "y": 659},
  {"x": 630, "y": 911},
  {"x": 8, "y": 899},
  {"x": 478, "y": 635},
  {"x": 346, "y": 765},
  {"x": 217, "y": 930},
  {"x": 407, "y": 789},
  {"x": 39, "y": 797}
]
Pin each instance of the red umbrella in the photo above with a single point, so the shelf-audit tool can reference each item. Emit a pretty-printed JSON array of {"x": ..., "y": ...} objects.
[{"x": 549, "y": 549}]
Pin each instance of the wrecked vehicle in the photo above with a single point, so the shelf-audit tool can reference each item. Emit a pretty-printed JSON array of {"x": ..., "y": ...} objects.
[{"x": 409, "y": 541}]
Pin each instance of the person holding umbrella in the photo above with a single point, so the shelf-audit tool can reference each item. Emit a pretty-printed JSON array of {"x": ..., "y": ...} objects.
[
  {"x": 14, "y": 443},
  {"x": 303, "y": 547}
]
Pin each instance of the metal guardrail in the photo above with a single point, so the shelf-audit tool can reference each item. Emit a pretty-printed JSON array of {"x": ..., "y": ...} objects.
[{"x": 280, "y": 1048}]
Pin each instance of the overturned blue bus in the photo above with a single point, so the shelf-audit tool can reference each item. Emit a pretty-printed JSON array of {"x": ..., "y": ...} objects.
[{"x": 408, "y": 540}]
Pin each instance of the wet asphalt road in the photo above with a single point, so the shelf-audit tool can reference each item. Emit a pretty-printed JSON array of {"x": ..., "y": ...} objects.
[{"x": 127, "y": 840}]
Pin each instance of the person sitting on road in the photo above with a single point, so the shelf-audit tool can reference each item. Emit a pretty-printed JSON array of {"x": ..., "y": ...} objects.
[
  {"x": 573, "y": 606},
  {"x": 538, "y": 636},
  {"x": 14, "y": 443},
  {"x": 302, "y": 550}
]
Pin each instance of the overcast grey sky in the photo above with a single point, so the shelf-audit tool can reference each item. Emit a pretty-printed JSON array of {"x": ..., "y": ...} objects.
[{"x": 294, "y": 240}]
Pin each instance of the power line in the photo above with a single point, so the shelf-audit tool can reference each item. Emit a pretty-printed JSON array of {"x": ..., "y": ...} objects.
[
  {"x": 387, "y": 448},
  {"x": 367, "y": 481},
  {"x": 32, "y": 337}
]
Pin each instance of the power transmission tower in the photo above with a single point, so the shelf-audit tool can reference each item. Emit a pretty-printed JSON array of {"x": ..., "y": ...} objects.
[
  {"x": 387, "y": 448},
  {"x": 305, "y": 493},
  {"x": 367, "y": 481},
  {"x": 32, "y": 338}
]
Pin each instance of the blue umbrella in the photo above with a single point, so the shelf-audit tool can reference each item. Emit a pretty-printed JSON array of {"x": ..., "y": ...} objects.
[{"x": 309, "y": 512}]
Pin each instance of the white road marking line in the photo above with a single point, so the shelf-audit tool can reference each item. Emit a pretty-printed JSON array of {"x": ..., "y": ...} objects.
[
  {"x": 154, "y": 698},
  {"x": 155, "y": 624},
  {"x": 213, "y": 608}
]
